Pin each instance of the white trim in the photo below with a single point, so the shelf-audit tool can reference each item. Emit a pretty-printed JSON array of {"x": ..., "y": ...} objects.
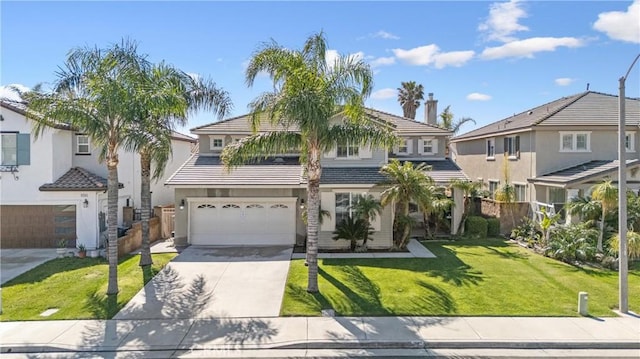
[
  {"x": 78, "y": 144},
  {"x": 632, "y": 141},
  {"x": 574, "y": 141},
  {"x": 491, "y": 157},
  {"x": 212, "y": 139}
]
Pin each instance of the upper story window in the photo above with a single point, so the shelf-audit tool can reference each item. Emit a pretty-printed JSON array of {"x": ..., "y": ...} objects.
[
  {"x": 512, "y": 147},
  {"x": 428, "y": 146},
  {"x": 217, "y": 143},
  {"x": 491, "y": 148},
  {"x": 15, "y": 149},
  {"x": 404, "y": 147},
  {"x": 575, "y": 141},
  {"x": 347, "y": 150},
  {"x": 629, "y": 141},
  {"x": 82, "y": 145}
]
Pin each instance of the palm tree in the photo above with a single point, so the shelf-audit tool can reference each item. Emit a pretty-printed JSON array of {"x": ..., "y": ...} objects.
[
  {"x": 436, "y": 203},
  {"x": 447, "y": 122},
  {"x": 174, "y": 95},
  {"x": 367, "y": 208},
  {"x": 409, "y": 96},
  {"x": 96, "y": 93},
  {"x": 308, "y": 93},
  {"x": 469, "y": 190},
  {"x": 585, "y": 207},
  {"x": 607, "y": 194},
  {"x": 353, "y": 230},
  {"x": 439, "y": 206},
  {"x": 405, "y": 184}
]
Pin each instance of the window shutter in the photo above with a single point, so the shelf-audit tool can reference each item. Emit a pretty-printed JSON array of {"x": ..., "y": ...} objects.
[
  {"x": 518, "y": 146},
  {"x": 434, "y": 146},
  {"x": 23, "y": 149},
  {"x": 506, "y": 146},
  {"x": 328, "y": 203},
  {"x": 488, "y": 148},
  {"x": 331, "y": 153},
  {"x": 409, "y": 146},
  {"x": 365, "y": 152},
  {"x": 420, "y": 146}
]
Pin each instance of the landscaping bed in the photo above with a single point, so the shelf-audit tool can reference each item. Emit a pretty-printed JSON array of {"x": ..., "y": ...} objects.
[{"x": 302, "y": 249}]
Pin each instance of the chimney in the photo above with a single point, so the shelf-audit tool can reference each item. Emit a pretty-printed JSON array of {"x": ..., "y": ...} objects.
[{"x": 431, "y": 110}]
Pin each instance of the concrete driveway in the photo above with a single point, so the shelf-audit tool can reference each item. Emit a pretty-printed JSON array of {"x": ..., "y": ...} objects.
[
  {"x": 14, "y": 262},
  {"x": 214, "y": 282}
]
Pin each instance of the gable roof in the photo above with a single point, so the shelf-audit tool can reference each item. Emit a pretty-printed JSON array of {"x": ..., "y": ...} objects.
[
  {"x": 77, "y": 179},
  {"x": 182, "y": 137},
  {"x": 584, "y": 109},
  {"x": 21, "y": 108},
  {"x": 582, "y": 172},
  {"x": 242, "y": 125}
]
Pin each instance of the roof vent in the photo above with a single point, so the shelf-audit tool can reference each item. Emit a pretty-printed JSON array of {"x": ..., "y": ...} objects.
[
  {"x": 278, "y": 160},
  {"x": 530, "y": 113}
]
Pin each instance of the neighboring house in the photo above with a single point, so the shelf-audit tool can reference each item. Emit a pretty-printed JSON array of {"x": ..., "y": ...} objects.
[
  {"x": 261, "y": 203},
  {"x": 555, "y": 151},
  {"x": 54, "y": 187}
]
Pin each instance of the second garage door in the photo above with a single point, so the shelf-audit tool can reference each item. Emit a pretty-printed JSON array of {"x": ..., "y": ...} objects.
[{"x": 242, "y": 221}]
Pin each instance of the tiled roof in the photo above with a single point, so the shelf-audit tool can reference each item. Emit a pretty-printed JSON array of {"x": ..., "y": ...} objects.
[
  {"x": 443, "y": 171},
  {"x": 583, "y": 109},
  {"x": 582, "y": 172},
  {"x": 182, "y": 137},
  {"x": 77, "y": 179},
  {"x": 241, "y": 125},
  {"x": 209, "y": 171},
  {"x": 21, "y": 108}
]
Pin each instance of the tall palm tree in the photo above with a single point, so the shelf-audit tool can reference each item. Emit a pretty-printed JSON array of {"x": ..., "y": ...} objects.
[
  {"x": 96, "y": 92},
  {"x": 174, "y": 95},
  {"x": 405, "y": 183},
  {"x": 607, "y": 194},
  {"x": 409, "y": 96},
  {"x": 308, "y": 93},
  {"x": 469, "y": 190},
  {"x": 436, "y": 203},
  {"x": 447, "y": 122},
  {"x": 367, "y": 208}
]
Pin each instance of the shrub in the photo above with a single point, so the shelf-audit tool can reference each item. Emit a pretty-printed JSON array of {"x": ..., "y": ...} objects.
[
  {"x": 476, "y": 226},
  {"x": 526, "y": 232},
  {"x": 353, "y": 230},
  {"x": 493, "y": 227},
  {"x": 575, "y": 242},
  {"x": 633, "y": 244}
]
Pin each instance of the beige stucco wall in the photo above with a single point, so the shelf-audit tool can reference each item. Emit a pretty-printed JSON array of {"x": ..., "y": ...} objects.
[{"x": 414, "y": 153}]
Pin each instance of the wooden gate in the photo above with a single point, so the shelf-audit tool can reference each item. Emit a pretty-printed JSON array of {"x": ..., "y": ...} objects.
[{"x": 167, "y": 220}]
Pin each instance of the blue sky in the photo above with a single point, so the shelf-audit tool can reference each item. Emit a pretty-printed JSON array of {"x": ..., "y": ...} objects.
[{"x": 487, "y": 60}]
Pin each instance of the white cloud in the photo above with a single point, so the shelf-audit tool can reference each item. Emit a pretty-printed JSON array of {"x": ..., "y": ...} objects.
[
  {"x": 385, "y": 35},
  {"x": 383, "y": 61},
  {"x": 431, "y": 55},
  {"x": 503, "y": 21},
  {"x": 476, "y": 96},
  {"x": 528, "y": 47},
  {"x": 564, "y": 81},
  {"x": 7, "y": 92},
  {"x": 331, "y": 56},
  {"x": 620, "y": 25},
  {"x": 384, "y": 94}
]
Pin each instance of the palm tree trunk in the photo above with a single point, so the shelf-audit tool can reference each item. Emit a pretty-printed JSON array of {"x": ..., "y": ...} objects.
[
  {"x": 145, "y": 203},
  {"x": 313, "y": 217},
  {"x": 407, "y": 227},
  {"x": 465, "y": 211},
  {"x": 601, "y": 234},
  {"x": 112, "y": 220},
  {"x": 366, "y": 233}
]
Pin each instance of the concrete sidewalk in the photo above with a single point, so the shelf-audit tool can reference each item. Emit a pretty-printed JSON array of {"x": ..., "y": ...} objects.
[{"x": 295, "y": 335}]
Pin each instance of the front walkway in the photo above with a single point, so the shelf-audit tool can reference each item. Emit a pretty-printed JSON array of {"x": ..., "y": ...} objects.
[{"x": 416, "y": 250}]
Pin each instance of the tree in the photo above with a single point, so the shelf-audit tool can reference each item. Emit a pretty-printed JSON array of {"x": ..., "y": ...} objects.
[
  {"x": 174, "y": 95},
  {"x": 438, "y": 204},
  {"x": 405, "y": 184},
  {"x": 607, "y": 194},
  {"x": 447, "y": 122},
  {"x": 409, "y": 96},
  {"x": 367, "y": 208},
  {"x": 469, "y": 190},
  {"x": 96, "y": 92},
  {"x": 585, "y": 207},
  {"x": 308, "y": 93},
  {"x": 353, "y": 230}
]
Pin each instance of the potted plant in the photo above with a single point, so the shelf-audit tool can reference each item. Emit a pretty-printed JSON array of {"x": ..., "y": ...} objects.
[
  {"x": 82, "y": 251},
  {"x": 62, "y": 247}
]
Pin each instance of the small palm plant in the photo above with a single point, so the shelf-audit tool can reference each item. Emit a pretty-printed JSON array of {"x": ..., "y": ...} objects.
[
  {"x": 353, "y": 230},
  {"x": 633, "y": 244},
  {"x": 367, "y": 208}
]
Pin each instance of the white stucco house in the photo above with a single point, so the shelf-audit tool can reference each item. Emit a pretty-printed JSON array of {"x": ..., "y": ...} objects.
[{"x": 54, "y": 187}]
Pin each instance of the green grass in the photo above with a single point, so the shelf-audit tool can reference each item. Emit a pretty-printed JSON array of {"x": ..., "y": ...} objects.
[
  {"x": 76, "y": 286},
  {"x": 479, "y": 277}
]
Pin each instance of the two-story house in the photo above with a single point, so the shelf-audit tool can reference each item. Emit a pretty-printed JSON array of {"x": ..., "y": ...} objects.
[
  {"x": 555, "y": 151},
  {"x": 262, "y": 203},
  {"x": 54, "y": 187}
]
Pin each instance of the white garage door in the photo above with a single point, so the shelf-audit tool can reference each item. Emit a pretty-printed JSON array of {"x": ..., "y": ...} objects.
[{"x": 242, "y": 221}]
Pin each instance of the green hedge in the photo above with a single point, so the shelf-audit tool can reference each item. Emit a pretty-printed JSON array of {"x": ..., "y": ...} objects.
[
  {"x": 476, "y": 226},
  {"x": 493, "y": 227}
]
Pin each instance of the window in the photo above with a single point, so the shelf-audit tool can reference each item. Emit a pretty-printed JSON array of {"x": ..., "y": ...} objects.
[
  {"x": 575, "y": 141},
  {"x": 217, "y": 143},
  {"x": 512, "y": 146},
  {"x": 347, "y": 150},
  {"x": 279, "y": 206},
  {"x": 521, "y": 192},
  {"x": 231, "y": 206},
  {"x": 427, "y": 146},
  {"x": 255, "y": 206},
  {"x": 206, "y": 206},
  {"x": 557, "y": 195},
  {"x": 9, "y": 149},
  {"x": 629, "y": 142},
  {"x": 344, "y": 202},
  {"x": 491, "y": 148},
  {"x": 403, "y": 147},
  {"x": 82, "y": 145},
  {"x": 493, "y": 187}
]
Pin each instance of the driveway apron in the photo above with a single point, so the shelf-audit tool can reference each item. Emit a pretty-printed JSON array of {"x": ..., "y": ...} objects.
[
  {"x": 215, "y": 282},
  {"x": 14, "y": 262}
]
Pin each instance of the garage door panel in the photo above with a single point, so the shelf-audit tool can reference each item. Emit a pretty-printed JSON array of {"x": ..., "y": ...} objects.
[
  {"x": 37, "y": 226},
  {"x": 238, "y": 221}
]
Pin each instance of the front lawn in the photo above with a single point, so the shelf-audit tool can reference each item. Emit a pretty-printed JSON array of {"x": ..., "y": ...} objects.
[
  {"x": 478, "y": 277},
  {"x": 76, "y": 287}
]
